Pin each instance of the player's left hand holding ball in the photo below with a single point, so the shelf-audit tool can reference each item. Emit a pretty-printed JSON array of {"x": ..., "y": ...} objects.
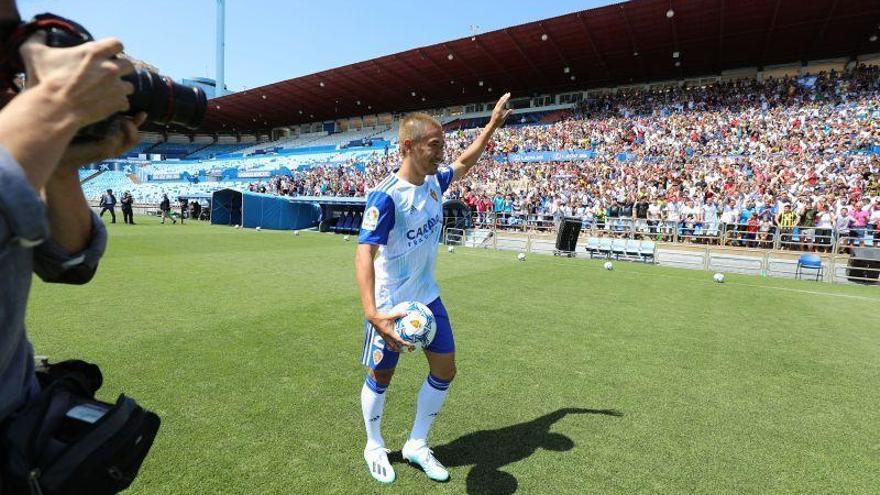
[{"x": 384, "y": 324}]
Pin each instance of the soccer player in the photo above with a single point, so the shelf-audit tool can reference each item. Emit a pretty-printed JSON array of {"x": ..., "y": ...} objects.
[{"x": 396, "y": 253}]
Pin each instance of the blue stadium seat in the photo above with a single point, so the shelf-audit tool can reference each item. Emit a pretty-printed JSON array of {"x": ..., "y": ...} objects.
[
  {"x": 618, "y": 247},
  {"x": 632, "y": 248},
  {"x": 340, "y": 222},
  {"x": 646, "y": 250},
  {"x": 593, "y": 246},
  {"x": 605, "y": 246},
  {"x": 349, "y": 221}
]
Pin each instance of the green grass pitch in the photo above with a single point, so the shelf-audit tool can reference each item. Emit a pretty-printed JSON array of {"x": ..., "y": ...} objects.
[{"x": 571, "y": 378}]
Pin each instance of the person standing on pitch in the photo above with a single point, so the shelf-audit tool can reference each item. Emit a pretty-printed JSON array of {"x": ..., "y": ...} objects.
[
  {"x": 396, "y": 253},
  {"x": 165, "y": 209},
  {"x": 108, "y": 203},
  {"x": 181, "y": 203},
  {"x": 127, "y": 202}
]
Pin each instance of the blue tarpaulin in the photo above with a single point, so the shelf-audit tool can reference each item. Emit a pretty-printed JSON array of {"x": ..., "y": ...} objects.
[{"x": 249, "y": 209}]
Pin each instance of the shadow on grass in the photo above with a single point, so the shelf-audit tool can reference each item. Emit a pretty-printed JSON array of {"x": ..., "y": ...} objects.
[{"x": 490, "y": 450}]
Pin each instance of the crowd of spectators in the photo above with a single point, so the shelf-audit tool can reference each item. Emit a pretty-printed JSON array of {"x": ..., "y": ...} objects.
[{"x": 790, "y": 160}]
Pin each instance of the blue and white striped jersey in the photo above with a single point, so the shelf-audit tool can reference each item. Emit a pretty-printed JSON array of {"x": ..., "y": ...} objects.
[{"x": 405, "y": 221}]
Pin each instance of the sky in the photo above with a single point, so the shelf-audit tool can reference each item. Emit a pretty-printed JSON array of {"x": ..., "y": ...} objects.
[{"x": 272, "y": 40}]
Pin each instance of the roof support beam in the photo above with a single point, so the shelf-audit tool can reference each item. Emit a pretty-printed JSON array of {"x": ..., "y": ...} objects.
[
  {"x": 510, "y": 77},
  {"x": 434, "y": 64},
  {"x": 308, "y": 106},
  {"x": 592, "y": 43},
  {"x": 719, "y": 60},
  {"x": 632, "y": 40},
  {"x": 808, "y": 49},
  {"x": 675, "y": 41},
  {"x": 769, "y": 34},
  {"x": 554, "y": 45},
  {"x": 363, "y": 92},
  {"x": 425, "y": 80},
  {"x": 525, "y": 57}
]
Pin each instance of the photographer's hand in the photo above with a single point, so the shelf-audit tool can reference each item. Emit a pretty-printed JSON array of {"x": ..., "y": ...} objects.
[
  {"x": 86, "y": 77},
  {"x": 122, "y": 136},
  {"x": 74, "y": 87},
  {"x": 70, "y": 217}
]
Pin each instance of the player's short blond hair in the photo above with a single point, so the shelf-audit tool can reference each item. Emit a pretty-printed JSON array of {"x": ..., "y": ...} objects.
[{"x": 415, "y": 126}]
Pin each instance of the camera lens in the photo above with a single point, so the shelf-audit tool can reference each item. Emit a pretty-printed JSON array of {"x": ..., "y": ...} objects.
[{"x": 165, "y": 101}]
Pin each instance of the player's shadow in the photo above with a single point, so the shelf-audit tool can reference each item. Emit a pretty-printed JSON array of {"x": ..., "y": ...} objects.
[{"x": 490, "y": 450}]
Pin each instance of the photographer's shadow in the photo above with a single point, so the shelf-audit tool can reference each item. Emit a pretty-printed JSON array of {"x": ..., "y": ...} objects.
[{"x": 490, "y": 450}]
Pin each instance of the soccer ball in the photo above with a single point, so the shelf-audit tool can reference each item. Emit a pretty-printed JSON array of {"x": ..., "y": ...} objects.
[
  {"x": 718, "y": 277},
  {"x": 345, "y": 238},
  {"x": 237, "y": 226},
  {"x": 451, "y": 249},
  {"x": 296, "y": 233},
  {"x": 521, "y": 256},
  {"x": 417, "y": 326},
  {"x": 259, "y": 228},
  {"x": 609, "y": 265}
]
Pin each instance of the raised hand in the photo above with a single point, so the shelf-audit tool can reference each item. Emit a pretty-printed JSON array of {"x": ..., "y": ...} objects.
[{"x": 500, "y": 113}]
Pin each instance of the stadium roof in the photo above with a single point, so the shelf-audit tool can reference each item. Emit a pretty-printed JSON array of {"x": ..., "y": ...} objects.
[{"x": 629, "y": 42}]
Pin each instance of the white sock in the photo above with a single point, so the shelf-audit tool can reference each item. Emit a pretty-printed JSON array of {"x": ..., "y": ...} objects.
[
  {"x": 431, "y": 398},
  {"x": 372, "y": 404}
]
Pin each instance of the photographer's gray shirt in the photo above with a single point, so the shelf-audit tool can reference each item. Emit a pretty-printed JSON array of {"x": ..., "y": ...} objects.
[{"x": 26, "y": 247}]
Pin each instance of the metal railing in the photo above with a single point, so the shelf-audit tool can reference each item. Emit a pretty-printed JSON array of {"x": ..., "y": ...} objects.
[
  {"x": 742, "y": 248},
  {"x": 799, "y": 238}
]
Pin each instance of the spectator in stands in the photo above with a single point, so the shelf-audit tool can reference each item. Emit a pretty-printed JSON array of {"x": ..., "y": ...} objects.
[
  {"x": 874, "y": 222},
  {"x": 824, "y": 226},
  {"x": 787, "y": 220},
  {"x": 165, "y": 209},
  {"x": 807, "y": 216},
  {"x": 753, "y": 228},
  {"x": 764, "y": 228},
  {"x": 841, "y": 229},
  {"x": 108, "y": 203},
  {"x": 859, "y": 222},
  {"x": 127, "y": 202},
  {"x": 48, "y": 227},
  {"x": 745, "y": 147}
]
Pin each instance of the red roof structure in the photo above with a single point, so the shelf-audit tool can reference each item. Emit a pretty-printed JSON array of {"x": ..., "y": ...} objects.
[{"x": 629, "y": 42}]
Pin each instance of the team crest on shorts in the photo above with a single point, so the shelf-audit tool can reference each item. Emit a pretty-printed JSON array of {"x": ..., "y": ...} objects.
[
  {"x": 371, "y": 218},
  {"x": 434, "y": 195},
  {"x": 377, "y": 356}
]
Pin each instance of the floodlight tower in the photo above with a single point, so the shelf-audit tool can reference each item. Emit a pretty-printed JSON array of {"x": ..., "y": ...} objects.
[{"x": 219, "y": 76}]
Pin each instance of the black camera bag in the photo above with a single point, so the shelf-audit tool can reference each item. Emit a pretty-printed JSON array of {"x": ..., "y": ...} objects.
[{"x": 103, "y": 458}]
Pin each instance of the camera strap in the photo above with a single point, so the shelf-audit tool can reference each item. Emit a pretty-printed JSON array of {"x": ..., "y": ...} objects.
[{"x": 11, "y": 63}]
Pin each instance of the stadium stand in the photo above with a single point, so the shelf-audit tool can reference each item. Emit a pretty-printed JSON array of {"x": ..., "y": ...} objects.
[
  {"x": 685, "y": 157},
  {"x": 118, "y": 181}
]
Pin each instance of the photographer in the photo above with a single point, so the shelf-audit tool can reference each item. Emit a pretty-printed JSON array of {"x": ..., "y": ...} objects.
[
  {"x": 58, "y": 237},
  {"x": 127, "y": 211}
]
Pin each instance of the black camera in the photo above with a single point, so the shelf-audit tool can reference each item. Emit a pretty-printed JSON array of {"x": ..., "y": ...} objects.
[{"x": 164, "y": 101}]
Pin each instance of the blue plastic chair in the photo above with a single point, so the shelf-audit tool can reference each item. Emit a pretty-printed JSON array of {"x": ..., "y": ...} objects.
[{"x": 808, "y": 261}]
